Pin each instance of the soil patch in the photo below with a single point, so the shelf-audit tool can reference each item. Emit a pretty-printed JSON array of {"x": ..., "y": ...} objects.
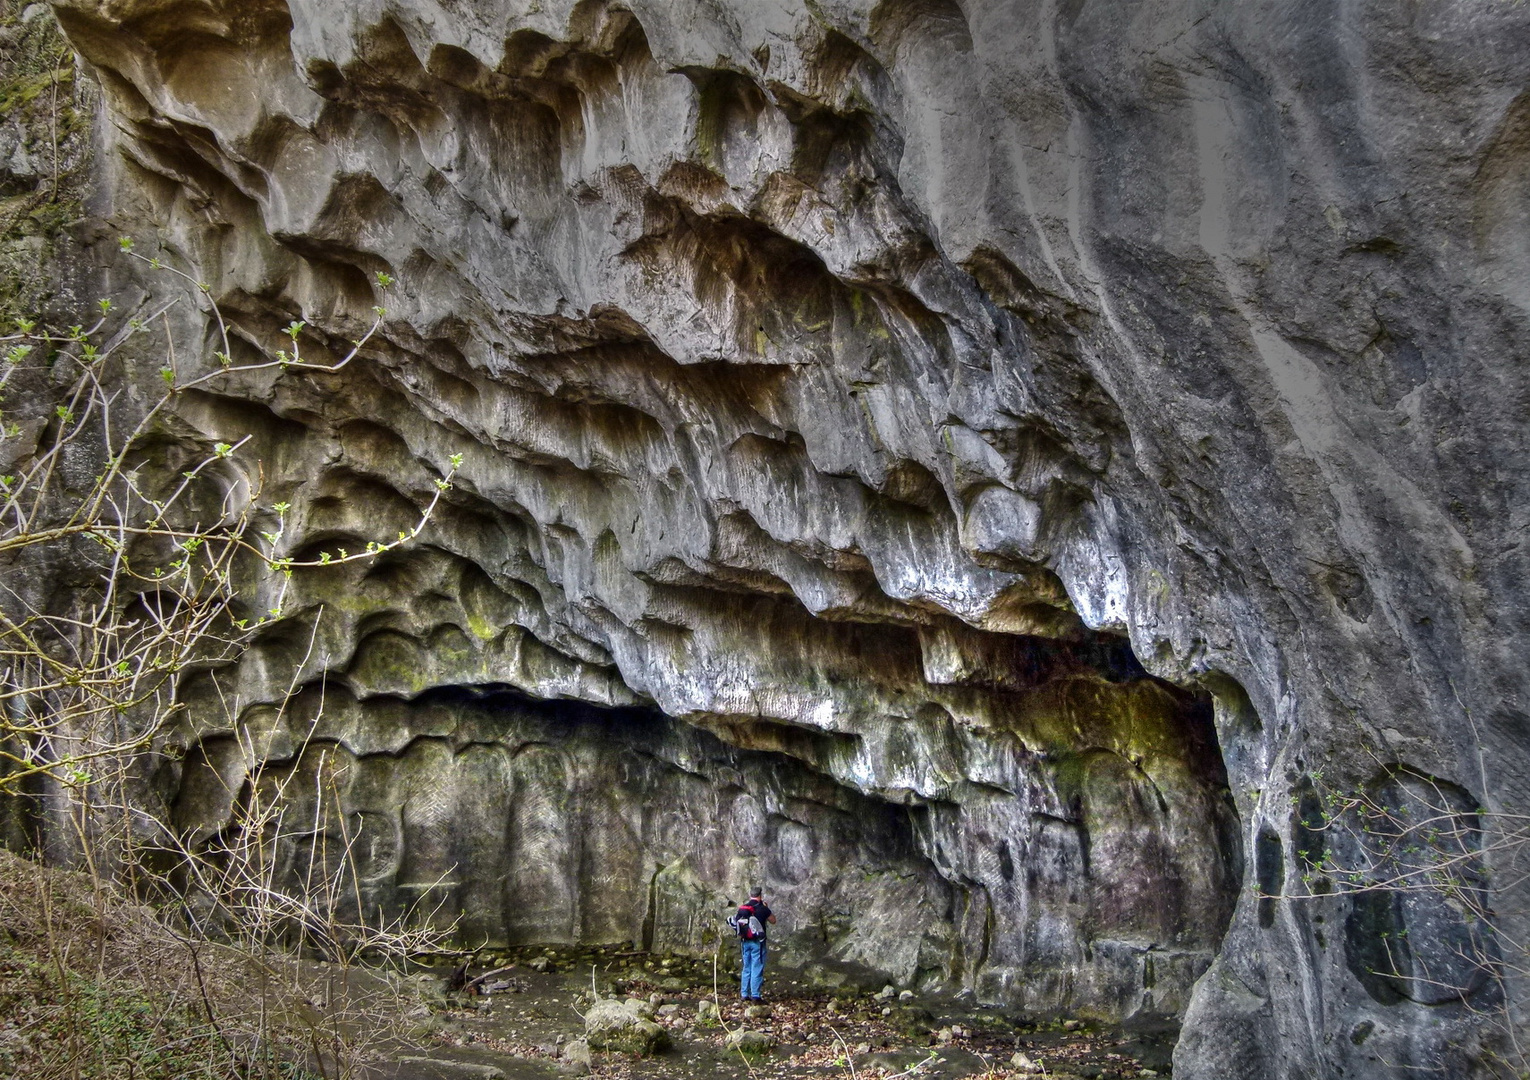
[{"x": 523, "y": 1018}]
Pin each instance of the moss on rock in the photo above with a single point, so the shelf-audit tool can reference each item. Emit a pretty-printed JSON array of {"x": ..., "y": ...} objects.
[{"x": 45, "y": 147}]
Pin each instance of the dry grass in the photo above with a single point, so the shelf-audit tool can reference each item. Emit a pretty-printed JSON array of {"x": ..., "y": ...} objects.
[{"x": 94, "y": 985}]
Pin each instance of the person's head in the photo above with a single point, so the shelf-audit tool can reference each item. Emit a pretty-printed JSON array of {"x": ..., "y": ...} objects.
[{"x": 757, "y": 892}]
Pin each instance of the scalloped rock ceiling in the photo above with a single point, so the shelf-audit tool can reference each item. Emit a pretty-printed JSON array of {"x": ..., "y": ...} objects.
[{"x": 963, "y": 463}]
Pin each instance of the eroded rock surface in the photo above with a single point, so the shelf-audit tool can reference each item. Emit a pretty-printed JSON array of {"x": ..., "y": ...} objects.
[
  {"x": 1081, "y": 884},
  {"x": 853, "y": 381}
]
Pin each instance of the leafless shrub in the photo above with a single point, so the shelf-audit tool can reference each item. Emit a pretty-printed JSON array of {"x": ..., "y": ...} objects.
[
  {"x": 1422, "y": 866},
  {"x": 124, "y": 574}
]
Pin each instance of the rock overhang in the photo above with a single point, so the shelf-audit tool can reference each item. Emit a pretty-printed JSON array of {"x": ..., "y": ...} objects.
[{"x": 797, "y": 355}]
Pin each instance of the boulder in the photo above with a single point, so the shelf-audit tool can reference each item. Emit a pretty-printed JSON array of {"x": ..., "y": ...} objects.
[
  {"x": 749, "y": 1043},
  {"x": 623, "y": 1026},
  {"x": 576, "y": 1055}
]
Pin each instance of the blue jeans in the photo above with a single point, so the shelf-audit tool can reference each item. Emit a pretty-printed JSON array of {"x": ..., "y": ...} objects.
[{"x": 754, "y": 969}]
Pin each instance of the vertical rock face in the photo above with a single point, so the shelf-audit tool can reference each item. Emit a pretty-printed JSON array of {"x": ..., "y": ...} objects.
[
  {"x": 44, "y": 160},
  {"x": 537, "y": 822},
  {"x": 844, "y": 386}
]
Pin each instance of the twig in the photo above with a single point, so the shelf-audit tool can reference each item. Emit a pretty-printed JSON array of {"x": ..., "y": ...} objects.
[
  {"x": 468, "y": 986},
  {"x": 849, "y": 1057}
]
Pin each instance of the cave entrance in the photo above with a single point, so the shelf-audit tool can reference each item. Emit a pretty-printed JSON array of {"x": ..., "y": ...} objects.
[{"x": 1079, "y": 852}]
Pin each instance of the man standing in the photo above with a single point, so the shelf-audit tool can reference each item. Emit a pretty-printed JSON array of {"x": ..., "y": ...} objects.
[{"x": 750, "y": 921}]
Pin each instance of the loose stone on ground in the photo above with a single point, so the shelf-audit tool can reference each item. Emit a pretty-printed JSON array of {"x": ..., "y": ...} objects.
[{"x": 805, "y": 1033}]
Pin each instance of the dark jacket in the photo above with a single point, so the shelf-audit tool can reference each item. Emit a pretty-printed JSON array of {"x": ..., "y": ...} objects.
[{"x": 760, "y": 910}]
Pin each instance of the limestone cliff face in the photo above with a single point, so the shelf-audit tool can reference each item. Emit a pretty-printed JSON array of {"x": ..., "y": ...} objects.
[{"x": 842, "y": 387}]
